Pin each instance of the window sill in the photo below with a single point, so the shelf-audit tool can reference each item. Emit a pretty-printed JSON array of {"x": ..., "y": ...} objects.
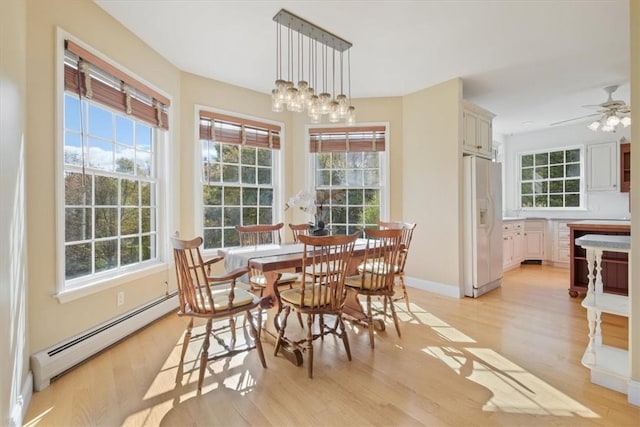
[{"x": 91, "y": 288}]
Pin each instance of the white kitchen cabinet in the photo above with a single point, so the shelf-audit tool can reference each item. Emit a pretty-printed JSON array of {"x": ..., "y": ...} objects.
[
  {"x": 534, "y": 242},
  {"x": 602, "y": 174},
  {"x": 512, "y": 244},
  {"x": 477, "y": 136},
  {"x": 561, "y": 244}
]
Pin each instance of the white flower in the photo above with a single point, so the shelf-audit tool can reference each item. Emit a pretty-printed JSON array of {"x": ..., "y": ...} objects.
[{"x": 305, "y": 200}]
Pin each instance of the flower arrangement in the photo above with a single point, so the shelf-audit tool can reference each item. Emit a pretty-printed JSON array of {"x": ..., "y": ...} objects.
[{"x": 305, "y": 200}]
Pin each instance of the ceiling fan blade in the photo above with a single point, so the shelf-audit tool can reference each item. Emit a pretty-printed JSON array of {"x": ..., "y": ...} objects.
[{"x": 575, "y": 118}]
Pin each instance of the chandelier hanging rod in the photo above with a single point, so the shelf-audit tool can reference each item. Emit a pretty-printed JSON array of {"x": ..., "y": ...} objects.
[{"x": 314, "y": 32}]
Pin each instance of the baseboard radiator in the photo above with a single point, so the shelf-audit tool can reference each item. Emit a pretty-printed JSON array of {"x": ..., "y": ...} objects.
[{"x": 55, "y": 360}]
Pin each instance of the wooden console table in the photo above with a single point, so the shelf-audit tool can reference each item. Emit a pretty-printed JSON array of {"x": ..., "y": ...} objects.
[
  {"x": 609, "y": 365},
  {"x": 614, "y": 264}
]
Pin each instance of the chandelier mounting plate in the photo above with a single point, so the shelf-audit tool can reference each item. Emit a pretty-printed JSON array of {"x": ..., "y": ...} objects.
[{"x": 314, "y": 32}]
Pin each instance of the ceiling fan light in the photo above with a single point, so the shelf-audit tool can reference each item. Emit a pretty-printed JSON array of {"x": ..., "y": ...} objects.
[
  {"x": 607, "y": 128},
  {"x": 594, "y": 126},
  {"x": 626, "y": 121},
  {"x": 613, "y": 121}
]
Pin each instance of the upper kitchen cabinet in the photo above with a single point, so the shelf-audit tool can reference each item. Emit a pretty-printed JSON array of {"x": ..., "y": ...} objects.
[
  {"x": 625, "y": 167},
  {"x": 477, "y": 134},
  {"x": 603, "y": 166}
]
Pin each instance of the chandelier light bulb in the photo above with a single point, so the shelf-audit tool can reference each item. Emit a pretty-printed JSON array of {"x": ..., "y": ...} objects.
[
  {"x": 606, "y": 128},
  {"x": 626, "y": 121},
  {"x": 276, "y": 104},
  {"x": 594, "y": 126},
  {"x": 613, "y": 121},
  {"x": 351, "y": 115}
]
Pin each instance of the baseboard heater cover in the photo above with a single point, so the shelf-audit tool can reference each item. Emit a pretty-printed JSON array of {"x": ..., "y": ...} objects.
[{"x": 55, "y": 360}]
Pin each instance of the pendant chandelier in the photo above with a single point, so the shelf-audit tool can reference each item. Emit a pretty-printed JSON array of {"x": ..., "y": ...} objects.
[{"x": 314, "y": 58}]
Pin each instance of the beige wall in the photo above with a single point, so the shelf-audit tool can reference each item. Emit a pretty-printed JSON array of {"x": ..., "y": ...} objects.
[
  {"x": 634, "y": 323},
  {"x": 52, "y": 321},
  {"x": 431, "y": 194},
  {"x": 14, "y": 348}
]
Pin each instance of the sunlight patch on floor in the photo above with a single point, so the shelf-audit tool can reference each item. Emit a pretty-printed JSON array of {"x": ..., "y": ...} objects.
[
  {"x": 418, "y": 316},
  {"x": 40, "y": 417},
  {"x": 514, "y": 389}
]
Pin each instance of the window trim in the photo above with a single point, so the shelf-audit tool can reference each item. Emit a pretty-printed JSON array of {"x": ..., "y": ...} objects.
[
  {"x": 278, "y": 168},
  {"x": 385, "y": 161},
  {"x": 583, "y": 198},
  {"x": 126, "y": 274}
]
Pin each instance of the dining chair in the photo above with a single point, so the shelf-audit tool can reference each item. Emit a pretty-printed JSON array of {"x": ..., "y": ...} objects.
[
  {"x": 199, "y": 300},
  {"x": 325, "y": 263},
  {"x": 376, "y": 273},
  {"x": 263, "y": 234},
  {"x": 298, "y": 229},
  {"x": 407, "y": 234}
]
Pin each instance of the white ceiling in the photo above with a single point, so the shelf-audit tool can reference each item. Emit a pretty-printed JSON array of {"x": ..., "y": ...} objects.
[{"x": 526, "y": 61}]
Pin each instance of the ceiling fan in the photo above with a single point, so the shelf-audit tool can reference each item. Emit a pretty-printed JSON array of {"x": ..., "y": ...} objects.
[{"x": 611, "y": 112}]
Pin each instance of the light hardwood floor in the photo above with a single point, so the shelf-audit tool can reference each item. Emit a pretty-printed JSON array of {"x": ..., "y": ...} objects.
[{"x": 511, "y": 357}]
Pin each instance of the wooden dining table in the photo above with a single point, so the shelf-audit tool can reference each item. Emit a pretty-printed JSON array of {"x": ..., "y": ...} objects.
[{"x": 272, "y": 261}]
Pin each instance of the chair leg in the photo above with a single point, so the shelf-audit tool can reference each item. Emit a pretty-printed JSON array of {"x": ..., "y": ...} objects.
[
  {"x": 344, "y": 336},
  {"x": 187, "y": 340},
  {"x": 310, "y": 344},
  {"x": 256, "y": 332},
  {"x": 204, "y": 355},
  {"x": 395, "y": 317},
  {"x": 300, "y": 319},
  {"x": 370, "y": 321},
  {"x": 404, "y": 291},
  {"x": 283, "y": 326}
]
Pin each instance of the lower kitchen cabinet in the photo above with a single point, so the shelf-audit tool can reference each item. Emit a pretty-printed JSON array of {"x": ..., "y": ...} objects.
[
  {"x": 534, "y": 242},
  {"x": 512, "y": 244}
]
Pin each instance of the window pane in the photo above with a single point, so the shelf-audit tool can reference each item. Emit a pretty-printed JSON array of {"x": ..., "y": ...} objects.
[
  {"x": 143, "y": 137},
  {"x": 230, "y": 153},
  {"x": 129, "y": 193},
  {"x": 75, "y": 192},
  {"x": 339, "y": 229},
  {"x": 338, "y": 215},
  {"x": 148, "y": 247},
  {"x": 337, "y": 177},
  {"x": 146, "y": 194},
  {"x": 212, "y": 216},
  {"x": 230, "y": 173},
  {"x": 129, "y": 250},
  {"x": 355, "y": 215},
  {"x": 556, "y": 187},
  {"x": 124, "y": 130},
  {"x": 143, "y": 163},
  {"x": 77, "y": 260},
  {"x": 232, "y": 196},
  {"x": 556, "y": 157},
  {"x": 556, "y": 201},
  {"x": 106, "y": 190},
  {"x": 100, "y": 122},
  {"x": 71, "y": 113},
  {"x": 250, "y": 216},
  {"x": 542, "y": 172},
  {"x": 354, "y": 178},
  {"x": 556, "y": 171},
  {"x": 323, "y": 196},
  {"x": 125, "y": 159},
  {"x": 542, "y": 159},
  {"x": 72, "y": 148},
  {"x": 527, "y": 201},
  {"x": 212, "y": 195},
  {"x": 248, "y": 156},
  {"x": 572, "y": 200},
  {"x": 323, "y": 160},
  {"x": 78, "y": 224},
  {"x": 212, "y": 238},
  {"x": 338, "y": 160},
  {"x": 129, "y": 221},
  {"x": 527, "y": 160},
  {"x": 264, "y": 176},
  {"x": 211, "y": 172},
  {"x": 573, "y": 155},
  {"x": 338, "y": 197},
  {"x": 231, "y": 216},
  {"x": 355, "y": 197},
  {"x": 354, "y": 160},
  {"x": 371, "y": 160},
  {"x": 106, "y": 222},
  {"x": 573, "y": 170},
  {"x": 106, "y": 255},
  {"x": 371, "y": 177},
  {"x": 526, "y": 188},
  {"x": 540, "y": 187},
  {"x": 541, "y": 201},
  {"x": 527, "y": 174},
  {"x": 101, "y": 154},
  {"x": 146, "y": 220},
  {"x": 323, "y": 177},
  {"x": 249, "y": 175},
  {"x": 231, "y": 237},
  {"x": 572, "y": 185},
  {"x": 249, "y": 196},
  {"x": 264, "y": 157},
  {"x": 266, "y": 197},
  {"x": 266, "y": 215}
]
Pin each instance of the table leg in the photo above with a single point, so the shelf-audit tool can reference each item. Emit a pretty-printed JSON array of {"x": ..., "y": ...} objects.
[{"x": 271, "y": 298}]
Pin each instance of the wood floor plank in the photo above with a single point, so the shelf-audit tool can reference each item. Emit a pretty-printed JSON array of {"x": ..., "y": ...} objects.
[{"x": 511, "y": 357}]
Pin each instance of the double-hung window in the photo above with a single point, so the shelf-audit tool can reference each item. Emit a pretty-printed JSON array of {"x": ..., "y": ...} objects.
[
  {"x": 112, "y": 128},
  {"x": 238, "y": 171},
  {"x": 349, "y": 165},
  {"x": 552, "y": 179}
]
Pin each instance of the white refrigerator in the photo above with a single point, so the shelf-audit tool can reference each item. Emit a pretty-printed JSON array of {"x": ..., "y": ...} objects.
[{"x": 482, "y": 233}]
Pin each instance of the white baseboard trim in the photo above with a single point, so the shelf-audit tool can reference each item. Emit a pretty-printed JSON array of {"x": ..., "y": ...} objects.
[
  {"x": 435, "y": 287},
  {"x": 19, "y": 410},
  {"x": 633, "y": 393}
]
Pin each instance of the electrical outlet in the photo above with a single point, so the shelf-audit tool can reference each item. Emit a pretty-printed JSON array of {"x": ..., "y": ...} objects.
[{"x": 120, "y": 298}]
